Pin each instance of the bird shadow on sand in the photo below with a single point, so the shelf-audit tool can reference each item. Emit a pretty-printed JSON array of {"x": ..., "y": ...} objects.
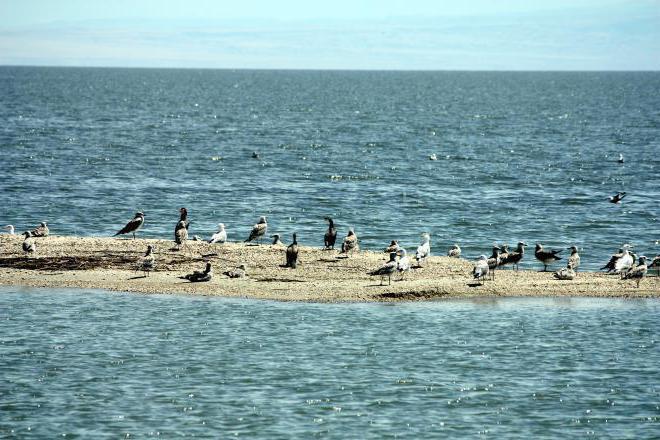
[
  {"x": 474, "y": 284},
  {"x": 327, "y": 260},
  {"x": 137, "y": 277}
]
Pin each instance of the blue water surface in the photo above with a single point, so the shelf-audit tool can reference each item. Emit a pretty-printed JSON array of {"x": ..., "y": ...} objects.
[{"x": 90, "y": 364}]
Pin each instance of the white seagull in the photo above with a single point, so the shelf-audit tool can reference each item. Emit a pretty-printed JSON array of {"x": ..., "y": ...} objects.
[
  {"x": 10, "y": 229},
  {"x": 220, "y": 236},
  {"x": 424, "y": 249},
  {"x": 403, "y": 265}
]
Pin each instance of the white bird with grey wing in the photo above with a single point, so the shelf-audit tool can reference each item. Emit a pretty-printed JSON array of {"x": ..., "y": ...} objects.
[
  {"x": 424, "y": 249},
  {"x": 403, "y": 265},
  {"x": 480, "y": 270},
  {"x": 220, "y": 236}
]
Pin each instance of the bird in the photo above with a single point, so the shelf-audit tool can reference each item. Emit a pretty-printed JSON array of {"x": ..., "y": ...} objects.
[
  {"x": 330, "y": 236},
  {"x": 29, "y": 247},
  {"x": 621, "y": 159},
  {"x": 423, "y": 250},
  {"x": 199, "y": 276},
  {"x": 565, "y": 273},
  {"x": 276, "y": 240},
  {"x": 655, "y": 262},
  {"x": 493, "y": 262},
  {"x": 40, "y": 231},
  {"x": 546, "y": 257},
  {"x": 480, "y": 270},
  {"x": 638, "y": 272},
  {"x": 514, "y": 257},
  {"x": 255, "y": 155},
  {"x": 133, "y": 225},
  {"x": 10, "y": 229},
  {"x": 183, "y": 216},
  {"x": 616, "y": 198},
  {"x": 393, "y": 247},
  {"x": 220, "y": 235},
  {"x": 350, "y": 243},
  {"x": 386, "y": 270},
  {"x": 180, "y": 233},
  {"x": 454, "y": 251},
  {"x": 238, "y": 272},
  {"x": 614, "y": 265},
  {"x": 148, "y": 262},
  {"x": 574, "y": 258},
  {"x": 292, "y": 253},
  {"x": 433, "y": 157},
  {"x": 258, "y": 230},
  {"x": 403, "y": 265},
  {"x": 504, "y": 253},
  {"x": 625, "y": 262}
]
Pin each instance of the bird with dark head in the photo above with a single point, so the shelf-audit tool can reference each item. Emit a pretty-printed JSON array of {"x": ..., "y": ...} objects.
[
  {"x": 40, "y": 231},
  {"x": 330, "y": 236},
  {"x": 514, "y": 257},
  {"x": 292, "y": 253},
  {"x": 493, "y": 262},
  {"x": 133, "y": 225},
  {"x": 148, "y": 262},
  {"x": 258, "y": 230},
  {"x": 29, "y": 247},
  {"x": 276, "y": 240},
  {"x": 546, "y": 257},
  {"x": 393, "y": 247},
  {"x": 386, "y": 270},
  {"x": 616, "y": 198},
  {"x": 200, "y": 276},
  {"x": 638, "y": 272}
]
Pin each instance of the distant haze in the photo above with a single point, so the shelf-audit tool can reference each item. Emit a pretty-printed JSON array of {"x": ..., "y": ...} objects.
[{"x": 343, "y": 34}]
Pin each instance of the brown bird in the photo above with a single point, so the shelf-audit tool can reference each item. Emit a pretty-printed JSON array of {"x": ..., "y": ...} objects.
[
  {"x": 292, "y": 253},
  {"x": 350, "y": 243},
  {"x": 393, "y": 247},
  {"x": 638, "y": 272},
  {"x": 330, "y": 236},
  {"x": 514, "y": 257},
  {"x": 40, "y": 231},
  {"x": 133, "y": 225},
  {"x": 258, "y": 230}
]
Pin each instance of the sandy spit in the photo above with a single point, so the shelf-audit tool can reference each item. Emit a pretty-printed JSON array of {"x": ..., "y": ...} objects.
[{"x": 111, "y": 263}]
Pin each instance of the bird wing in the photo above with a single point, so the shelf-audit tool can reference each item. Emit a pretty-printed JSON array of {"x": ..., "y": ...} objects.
[
  {"x": 257, "y": 231},
  {"x": 131, "y": 226}
]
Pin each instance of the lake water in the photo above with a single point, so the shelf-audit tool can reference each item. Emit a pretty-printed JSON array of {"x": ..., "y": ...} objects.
[
  {"x": 90, "y": 364},
  {"x": 521, "y": 156}
]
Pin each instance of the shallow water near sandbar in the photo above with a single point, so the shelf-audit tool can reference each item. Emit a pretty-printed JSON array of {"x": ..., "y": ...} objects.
[{"x": 94, "y": 363}]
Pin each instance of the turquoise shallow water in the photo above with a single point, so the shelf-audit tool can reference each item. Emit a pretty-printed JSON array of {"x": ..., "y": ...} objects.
[
  {"x": 521, "y": 156},
  {"x": 90, "y": 364}
]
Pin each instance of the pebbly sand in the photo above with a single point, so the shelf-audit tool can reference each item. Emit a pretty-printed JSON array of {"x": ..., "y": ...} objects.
[{"x": 110, "y": 263}]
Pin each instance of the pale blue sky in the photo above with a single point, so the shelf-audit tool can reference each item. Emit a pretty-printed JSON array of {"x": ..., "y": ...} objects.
[{"x": 342, "y": 34}]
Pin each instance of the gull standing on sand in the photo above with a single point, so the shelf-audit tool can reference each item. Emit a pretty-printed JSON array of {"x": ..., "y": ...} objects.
[
  {"x": 616, "y": 198},
  {"x": 220, "y": 235},
  {"x": 29, "y": 247},
  {"x": 200, "y": 276},
  {"x": 276, "y": 240},
  {"x": 454, "y": 251},
  {"x": 621, "y": 261},
  {"x": 403, "y": 265},
  {"x": 10, "y": 229},
  {"x": 40, "y": 231},
  {"x": 239, "y": 272},
  {"x": 574, "y": 258},
  {"x": 180, "y": 234},
  {"x": 504, "y": 254},
  {"x": 546, "y": 257},
  {"x": 386, "y": 270},
  {"x": 424, "y": 249},
  {"x": 133, "y": 225},
  {"x": 330, "y": 236},
  {"x": 350, "y": 243},
  {"x": 480, "y": 270},
  {"x": 292, "y": 253},
  {"x": 493, "y": 262},
  {"x": 638, "y": 272},
  {"x": 514, "y": 257},
  {"x": 258, "y": 230},
  {"x": 148, "y": 262}
]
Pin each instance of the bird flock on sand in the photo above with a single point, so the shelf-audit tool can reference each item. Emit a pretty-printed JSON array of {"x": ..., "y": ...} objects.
[{"x": 624, "y": 263}]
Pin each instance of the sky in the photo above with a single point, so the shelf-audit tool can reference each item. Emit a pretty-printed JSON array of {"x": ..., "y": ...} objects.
[{"x": 338, "y": 34}]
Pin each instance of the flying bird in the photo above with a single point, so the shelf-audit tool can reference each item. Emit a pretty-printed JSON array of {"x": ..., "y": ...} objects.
[
  {"x": 40, "y": 231},
  {"x": 546, "y": 257},
  {"x": 386, "y": 270},
  {"x": 480, "y": 270},
  {"x": 454, "y": 251},
  {"x": 423, "y": 250},
  {"x": 350, "y": 243},
  {"x": 638, "y": 272},
  {"x": 616, "y": 198},
  {"x": 199, "y": 276},
  {"x": 292, "y": 253},
  {"x": 220, "y": 235},
  {"x": 330, "y": 236},
  {"x": 133, "y": 225},
  {"x": 258, "y": 230}
]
